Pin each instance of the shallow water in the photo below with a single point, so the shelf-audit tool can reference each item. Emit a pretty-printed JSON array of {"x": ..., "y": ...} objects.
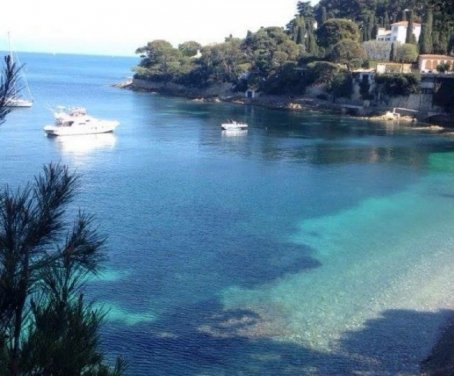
[{"x": 311, "y": 244}]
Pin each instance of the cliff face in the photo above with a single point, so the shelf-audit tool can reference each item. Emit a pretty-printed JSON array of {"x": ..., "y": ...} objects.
[{"x": 222, "y": 91}]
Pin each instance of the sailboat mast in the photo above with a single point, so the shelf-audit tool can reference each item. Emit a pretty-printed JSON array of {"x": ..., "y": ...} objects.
[{"x": 10, "y": 48}]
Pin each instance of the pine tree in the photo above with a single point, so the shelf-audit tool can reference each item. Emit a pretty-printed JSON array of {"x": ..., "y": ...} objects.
[
  {"x": 392, "y": 55},
  {"x": 435, "y": 41},
  {"x": 311, "y": 43},
  {"x": 323, "y": 15},
  {"x": 374, "y": 32},
  {"x": 7, "y": 86},
  {"x": 410, "y": 38},
  {"x": 37, "y": 258},
  {"x": 370, "y": 26},
  {"x": 451, "y": 45},
  {"x": 443, "y": 49},
  {"x": 404, "y": 15},
  {"x": 425, "y": 39},
  {"x": 386, "y": 23}
]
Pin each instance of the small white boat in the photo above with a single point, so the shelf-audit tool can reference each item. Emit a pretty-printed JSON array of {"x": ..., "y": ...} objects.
[
  {"x": 18, "y": 102},
  {"x": 15, "y": 100},
  {"x": 75, "y": 121},
  {"x": 231, "y": 124}
]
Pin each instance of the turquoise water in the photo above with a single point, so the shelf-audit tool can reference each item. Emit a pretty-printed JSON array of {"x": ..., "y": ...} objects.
[{"x": 311, "y": 245}]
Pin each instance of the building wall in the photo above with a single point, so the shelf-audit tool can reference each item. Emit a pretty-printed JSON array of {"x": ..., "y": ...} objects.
[
  {"x": 429, "y": 63},
  {"x": 398, "y": 33}
]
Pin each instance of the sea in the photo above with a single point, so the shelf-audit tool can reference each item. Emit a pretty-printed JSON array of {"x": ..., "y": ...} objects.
[{"x": 311, "y": 244}]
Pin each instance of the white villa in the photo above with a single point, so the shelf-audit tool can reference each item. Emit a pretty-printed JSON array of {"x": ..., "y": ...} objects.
[{"x": 398, "y": 32}]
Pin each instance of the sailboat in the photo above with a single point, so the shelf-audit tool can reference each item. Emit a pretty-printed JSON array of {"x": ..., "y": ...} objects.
[{"x": 15, "y": 100}]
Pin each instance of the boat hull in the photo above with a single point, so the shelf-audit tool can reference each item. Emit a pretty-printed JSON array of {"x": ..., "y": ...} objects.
[
  {"x": 17, "y": 102},
  {"x": 105, "y": 127},
  {"x": 236, "y": 126}
]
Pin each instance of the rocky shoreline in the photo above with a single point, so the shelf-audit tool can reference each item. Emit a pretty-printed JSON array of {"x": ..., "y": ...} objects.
[{"x": 225, "y": 93}]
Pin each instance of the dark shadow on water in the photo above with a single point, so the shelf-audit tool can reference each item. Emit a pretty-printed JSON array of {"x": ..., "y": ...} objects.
[
  {"x": 447, "y": 195},
  {"x": 204, "y": 339},
  {"x": 200, "y": 270}
]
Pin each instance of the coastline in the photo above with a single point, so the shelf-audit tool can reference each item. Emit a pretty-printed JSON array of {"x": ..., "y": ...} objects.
[{"x": 225, "y": 93}]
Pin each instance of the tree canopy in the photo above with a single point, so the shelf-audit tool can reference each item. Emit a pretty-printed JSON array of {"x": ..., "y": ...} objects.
[
  {"x": 334, "y": 30},
  {"x": 330, "y": 30},
  {"x": 348, "y": 52}
]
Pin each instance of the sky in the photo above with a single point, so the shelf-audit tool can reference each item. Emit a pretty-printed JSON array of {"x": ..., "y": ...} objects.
[{"x": 118, "y": 27}]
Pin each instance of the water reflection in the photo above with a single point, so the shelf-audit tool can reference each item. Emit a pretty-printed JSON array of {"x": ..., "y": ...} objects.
[
  {"x": 234, "y": 133},
  {"x": 85, "y": 144}
]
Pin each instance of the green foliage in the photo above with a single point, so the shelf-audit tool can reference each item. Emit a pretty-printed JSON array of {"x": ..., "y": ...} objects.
[
  {"x": 348, "y": 52},
  {"x": 444, "y": 96},
  {"x": 386, "y": 23},
  {"x": 297, "y": 30},
  {"x": 425, "y": 39},
  {"x": 410, "y": 38},
  {"x": 398, "y": 84},
  {"x": 190, "y": 48},
  {"x": 264, "y": 58},
  {"x": 321, "y": 72},
  {"x": 223, "y": 62},
  {"x": 268, "y": 49},
  {"x": 160, "y": 60},
  {"x": 406, "y": 53},
  {"x": 64, "y": 340},
  {"x": 451, "y": 44},
  {"x": 369, "y": 29},
  {"x": 389, "y": 11},
  {"x": 305, "y": 9},
  {"x": 341, "y": 85},
  {"x": 42, "y": 264},
  {"x": 377, "y": 50},
  {"x": 8, "y": 85},
  {"x": 335, "y": 30},
  {"x": 323, "y": 15},
  {"x": 442, "y": 68},
  {"x": 364, "y": 88},
  {"x": 393, "y": 53},
  {"x": 440, "y": 42},
  {"x": 287, "y": 79}
]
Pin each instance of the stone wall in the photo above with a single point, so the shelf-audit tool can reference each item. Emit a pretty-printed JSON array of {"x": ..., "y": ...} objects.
[{"x": 417, "y": 102}]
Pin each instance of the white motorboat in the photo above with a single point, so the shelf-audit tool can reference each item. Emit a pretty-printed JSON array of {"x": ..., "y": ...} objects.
[
  {"x": 231, "y": 124},
  {"x": 75, "y": 121}
]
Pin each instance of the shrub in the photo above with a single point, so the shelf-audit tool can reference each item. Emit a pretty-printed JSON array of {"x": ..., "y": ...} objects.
[
  {"x": 442, "y": 68},
  {"x": 341, "y": 85},
  {"x": 377, "y": 50},
  {"x": 407, "y": 53},
  {"x": 285, "y": 80},
  {"x": 444, "y": 96},
  {"x": 398, "y": 84},
  {"x": 320, "y": 72},
  {"x": 348, "y": 52}
]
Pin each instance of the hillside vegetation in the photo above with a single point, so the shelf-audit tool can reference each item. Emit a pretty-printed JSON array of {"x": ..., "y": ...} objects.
[{"x": 321, "y": 44}]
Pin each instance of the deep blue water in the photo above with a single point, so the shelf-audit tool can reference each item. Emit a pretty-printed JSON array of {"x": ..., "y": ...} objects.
[{"x": 301, "y": 247}]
